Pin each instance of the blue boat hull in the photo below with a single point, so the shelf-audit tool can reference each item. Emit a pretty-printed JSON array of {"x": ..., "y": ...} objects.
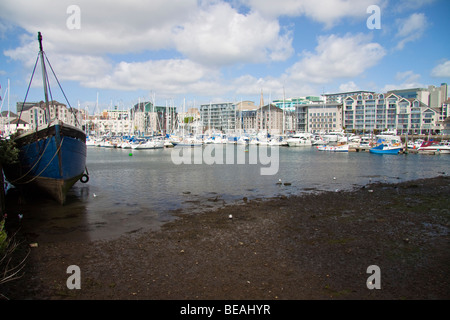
[
  {"x": 382, "y": 150},
  {"x": 52, "y": 160}
]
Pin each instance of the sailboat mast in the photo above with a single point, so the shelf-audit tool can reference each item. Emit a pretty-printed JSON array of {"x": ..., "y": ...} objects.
[
  {"x": 44, "y": 78},
  {"x": 7, "y": 131},
  {"x": 284, "y": 108}
]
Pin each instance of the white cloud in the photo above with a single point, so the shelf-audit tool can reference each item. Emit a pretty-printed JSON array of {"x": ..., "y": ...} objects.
[
  {"x": 328, "y": 12},
  {"x": 163, "y": 76},
  {"x": 403, "y": 5},
  {"x": 105, "y": 26},
  {"x": 441, "y": 70},
  {"x": 201, "y": 35},
  {"x": 411, "y": 29},
  {"x": 407, "y": 76},
  {"x": 337, "y": 57},
  {"x": 219, "y": 35},
  {"x": 213, "y": 33},
  {"x": 348, "y": 87},
  {"x": 405, "y": 80}
]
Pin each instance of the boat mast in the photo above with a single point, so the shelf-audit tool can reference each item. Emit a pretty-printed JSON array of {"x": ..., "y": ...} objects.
[
  {"x": 44, "y": 79},
  {"x": 284, "y": 108},
  {"x": 9, "y": 126}
]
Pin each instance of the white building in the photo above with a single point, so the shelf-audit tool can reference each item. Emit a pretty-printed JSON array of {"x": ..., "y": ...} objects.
[
  {"x": 381, "y": 112},
  {"x": 324, "y": 118},
  {"x": 35, "y": 114}
]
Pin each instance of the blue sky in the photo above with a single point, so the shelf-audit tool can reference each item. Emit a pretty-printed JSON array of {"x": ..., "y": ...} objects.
[{"x": 214, "y": 50}]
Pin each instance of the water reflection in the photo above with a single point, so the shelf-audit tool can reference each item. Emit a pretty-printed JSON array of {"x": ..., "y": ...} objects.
[{"x": 131, "y": 193}]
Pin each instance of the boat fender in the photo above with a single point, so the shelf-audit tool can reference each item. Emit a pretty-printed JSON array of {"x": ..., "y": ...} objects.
[{"x": 84, "y": 178}]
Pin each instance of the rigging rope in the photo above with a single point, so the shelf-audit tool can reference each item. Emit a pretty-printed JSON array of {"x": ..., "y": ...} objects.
[
  {"x": 36, "y": 176},
  {"x": 67, "y": 100},
  {"x": 26, "y": 95},
  {"x": 35, "y": 164}
]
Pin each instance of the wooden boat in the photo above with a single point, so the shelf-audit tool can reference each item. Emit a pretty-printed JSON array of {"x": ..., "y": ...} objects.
[{"x": 52, "y": 158}]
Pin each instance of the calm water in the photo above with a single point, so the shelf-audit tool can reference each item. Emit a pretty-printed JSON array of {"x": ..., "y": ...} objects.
[{"x": 127, "y": 194}]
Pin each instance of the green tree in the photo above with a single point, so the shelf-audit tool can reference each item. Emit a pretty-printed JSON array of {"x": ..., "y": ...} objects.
[
  {"x": 188, "y": 119},
  {"x": 10, "y": 269},
  {"x": 9, "y": 154}
]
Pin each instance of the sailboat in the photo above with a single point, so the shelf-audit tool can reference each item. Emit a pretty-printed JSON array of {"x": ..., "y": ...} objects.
[{"x": 51, "y": 158}]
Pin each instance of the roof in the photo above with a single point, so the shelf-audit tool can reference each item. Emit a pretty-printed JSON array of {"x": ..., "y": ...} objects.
[
  {"x": 348, "y": 93},
  {"x": 246, "y": 105},
  {"x": 11, "y": 114},
  {"x": 24, "y": 106},
  {"x": 18, "y": 121}
]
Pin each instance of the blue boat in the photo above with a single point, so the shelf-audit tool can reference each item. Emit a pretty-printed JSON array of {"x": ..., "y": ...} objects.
[
  {"x": 385, "y": 149},
  {"x": 52, "y": 158}
]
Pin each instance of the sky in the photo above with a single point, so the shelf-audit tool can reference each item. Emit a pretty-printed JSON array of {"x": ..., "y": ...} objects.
[{"x": 185, "y": 53}]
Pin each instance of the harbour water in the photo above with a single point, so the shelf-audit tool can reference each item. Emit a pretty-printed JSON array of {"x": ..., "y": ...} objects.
[{"x": 130, "y": 191}]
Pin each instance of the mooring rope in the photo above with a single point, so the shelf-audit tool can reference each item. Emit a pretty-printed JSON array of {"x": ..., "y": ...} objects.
[
  {"x": 36, "y": 176},
  {"x": 35, "y": 164}
]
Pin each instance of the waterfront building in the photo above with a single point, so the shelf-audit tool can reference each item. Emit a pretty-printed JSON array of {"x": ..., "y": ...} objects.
[
  {"x": 438, "y": 95},
  {"x": 369, "y": 112},
  {"x": 34, "y": 114},
  {"x": 247, "y": 116},
  {"x": 340, "y": 97},
  {"x": 321, "y": 118},
  {"x": 432, "y": 96},
  {"x": 444, "y": 117},
  {"x": 218, "y": 116},
  {"x": 190, "y": 121},
  {"x": 269, "y": 118},
  {"x": 192, "y": 115},
  {"x": 446, "y": 126},
  {"x": 116, "y": 114},
  {"x": 15, "y": 124},
  {"x": 148, "y": 119},
  {"x": 289, "y": 104},
  {"x": 6, "y": 117}
]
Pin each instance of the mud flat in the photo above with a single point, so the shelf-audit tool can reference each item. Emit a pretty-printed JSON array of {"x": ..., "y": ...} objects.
[{"x": 315, "y": 246}]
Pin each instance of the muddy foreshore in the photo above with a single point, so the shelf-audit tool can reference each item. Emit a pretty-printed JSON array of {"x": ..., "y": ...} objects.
[{"x": 315, "y": 246}]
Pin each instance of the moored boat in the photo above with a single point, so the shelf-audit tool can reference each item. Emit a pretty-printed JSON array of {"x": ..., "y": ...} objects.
[
  {"x": 51, "y": 158},
  {"x": 434, "y": 147},
  {"x": 386, "y": 149},
  {"x": 334, "y": 148},
  {"x": 148, "y": 144},
  {"x": 299, "y": 140}
]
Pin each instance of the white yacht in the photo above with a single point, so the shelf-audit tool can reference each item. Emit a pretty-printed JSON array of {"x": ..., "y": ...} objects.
[
  {"x": 299, "y": 140},
  {"x": 148, "y": 144},
  {"x": 335, "y": 137}
]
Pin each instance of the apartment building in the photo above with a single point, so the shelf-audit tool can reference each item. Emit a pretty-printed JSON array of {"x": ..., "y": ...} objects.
[
  {"x": 219, "y": 116},
  {"x": 148, "y": 119},
  {"x": 432, "y": 96},
  {"x": 34, "y": 113},
  {"x": 322, "y": 118},
  {"x": 368, "y": 112}
]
